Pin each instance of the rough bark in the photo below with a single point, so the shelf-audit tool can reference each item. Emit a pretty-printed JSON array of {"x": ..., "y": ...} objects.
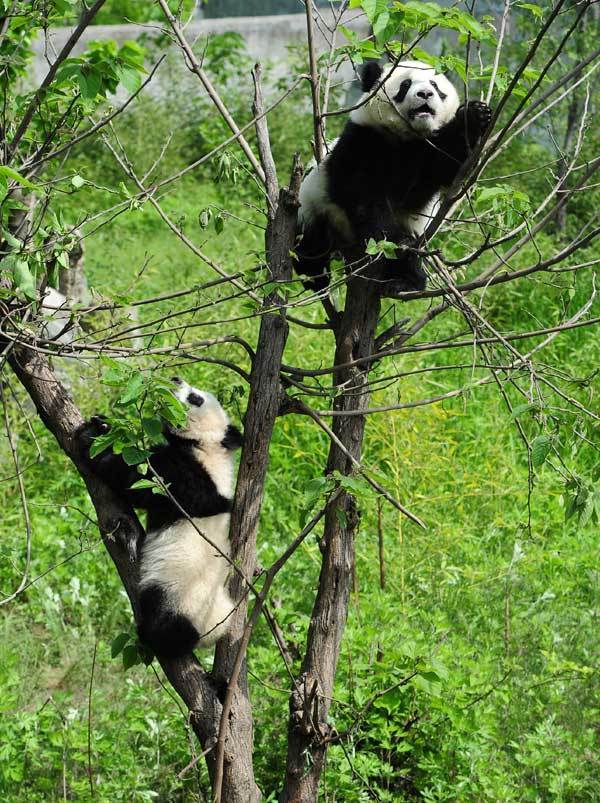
[
  {"x": 309, "y": 702},
  {"x": 238, "y": 785}
]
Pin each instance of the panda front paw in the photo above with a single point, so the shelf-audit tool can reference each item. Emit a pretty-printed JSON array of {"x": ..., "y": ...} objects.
[
  {"x": 97, "y": 425},
  {"x": 479, "y": 116}
]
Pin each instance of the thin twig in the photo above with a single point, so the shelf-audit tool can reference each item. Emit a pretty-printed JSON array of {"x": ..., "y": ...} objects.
[
  {"x": 314, "y": 82},
  {"x": 89, "y": 729},
  {"x": 194, "y": 66}
]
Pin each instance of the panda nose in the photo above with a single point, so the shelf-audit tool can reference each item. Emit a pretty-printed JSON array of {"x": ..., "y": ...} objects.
[{"x": 425, "y": 94}]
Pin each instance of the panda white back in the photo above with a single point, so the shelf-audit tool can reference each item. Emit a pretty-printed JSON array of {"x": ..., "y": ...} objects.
[{"x": 188, "y": 562}]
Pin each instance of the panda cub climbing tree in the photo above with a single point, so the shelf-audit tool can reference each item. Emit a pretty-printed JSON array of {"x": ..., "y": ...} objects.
[
  {"x": 404, "y": 143},
  {"x": 184, "y": 567}
]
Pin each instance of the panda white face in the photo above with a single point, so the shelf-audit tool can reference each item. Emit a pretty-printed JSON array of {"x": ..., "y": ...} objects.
[
  {"x": 207, "y": 420},
  {"x": 412, "y": 102}
]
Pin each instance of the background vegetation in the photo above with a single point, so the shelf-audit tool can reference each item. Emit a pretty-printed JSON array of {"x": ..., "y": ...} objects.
[{"x": 468, "y": 671}]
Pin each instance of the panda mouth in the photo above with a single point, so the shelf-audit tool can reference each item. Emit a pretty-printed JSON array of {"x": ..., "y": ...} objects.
[{"x": 422, "y": 111}]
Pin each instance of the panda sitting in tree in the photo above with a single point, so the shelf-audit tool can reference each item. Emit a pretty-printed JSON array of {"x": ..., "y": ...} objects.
[{"x": 404, "y": 143}]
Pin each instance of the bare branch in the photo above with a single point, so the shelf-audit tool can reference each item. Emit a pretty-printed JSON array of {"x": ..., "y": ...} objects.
[
  {"x": 194, "y": 66},
  {"x": 314, "y": 83},
  {"x": 264, "y": 144}
]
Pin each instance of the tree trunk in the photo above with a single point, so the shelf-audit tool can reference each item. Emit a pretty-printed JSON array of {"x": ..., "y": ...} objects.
[
  {"x": 238, "y": 785},
  {"x": 309, "y": 702}
]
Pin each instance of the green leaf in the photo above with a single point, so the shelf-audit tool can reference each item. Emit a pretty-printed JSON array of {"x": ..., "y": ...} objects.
[
  {"x": 351, "y": 483},
  {"x": 384, "y": 247},
  {"x": 13, "y": 241},
  {"x": 432, "y": 677},
  {"x": 587, "y": 510},
  {"x": 535, "y": 10},
  {"x": 135, "y": 388},
  {"x": 102, "y": 442},
  {"x": 143, "y": 483},
  {"x": 23, "y": 278},
  {"x": 423, "y": 684},
  {"x": 77, "y": 181},
  {"x": 153, "y": 428},
  {"x": 118, "y": 643},
  {"x": 132, "y": 455},
  {"x": 130, "y": 77},
  {"x": 524, "y": 408},
  {"x": 90, "y": 83},
  {"x": 204, "y": 218},
  {"x": 131, "y": 656},
  {"x": 380, "y": 23},
  {"x": 540, "y": 449},
  {"x": 219, "y": 223},
  {"x": 12, "y": 175},
  {"x": 315, "y": 488}
]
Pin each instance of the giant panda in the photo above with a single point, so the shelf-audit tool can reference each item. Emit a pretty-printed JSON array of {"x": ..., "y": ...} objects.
[
  {"x": 405, "y": 141},
  {"x": 183, "y": 600}
]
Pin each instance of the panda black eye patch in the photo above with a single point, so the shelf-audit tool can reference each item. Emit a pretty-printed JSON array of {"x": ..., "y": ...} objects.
[
  {"x": 438, "y": 90},
  {"x": 195, "y": 399},
  {"x": 404, "y": 87}
]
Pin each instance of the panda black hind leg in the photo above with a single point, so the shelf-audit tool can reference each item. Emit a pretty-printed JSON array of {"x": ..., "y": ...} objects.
[
  {"x": 401, "y": 275},
  {"x": 166, "y": 632},
  {"x": 313, "y": 253}
]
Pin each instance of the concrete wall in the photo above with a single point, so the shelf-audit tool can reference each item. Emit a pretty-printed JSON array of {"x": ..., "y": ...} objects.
[{"x": 266, "y": 38}]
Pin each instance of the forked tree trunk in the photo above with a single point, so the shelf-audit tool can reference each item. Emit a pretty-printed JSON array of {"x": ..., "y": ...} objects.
[{"x": 310, "y": 701}]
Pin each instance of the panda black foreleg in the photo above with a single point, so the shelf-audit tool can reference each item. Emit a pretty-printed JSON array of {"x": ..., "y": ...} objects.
[
  {"x": 395, "y": 275},
  {"x": 111, "y": 467},
  {"x": 399, "y": 274},
  {"x": 454, "y": 141},
  {"x": 313, "y": 253}
]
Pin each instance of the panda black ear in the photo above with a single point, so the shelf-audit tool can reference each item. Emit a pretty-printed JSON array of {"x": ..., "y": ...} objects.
[{"x": 370, "y": 73}]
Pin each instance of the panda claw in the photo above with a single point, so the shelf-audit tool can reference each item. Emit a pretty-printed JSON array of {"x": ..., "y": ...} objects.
[
  {"x": 480, "y": 113},
  {"x": 99, "y": 423}
]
